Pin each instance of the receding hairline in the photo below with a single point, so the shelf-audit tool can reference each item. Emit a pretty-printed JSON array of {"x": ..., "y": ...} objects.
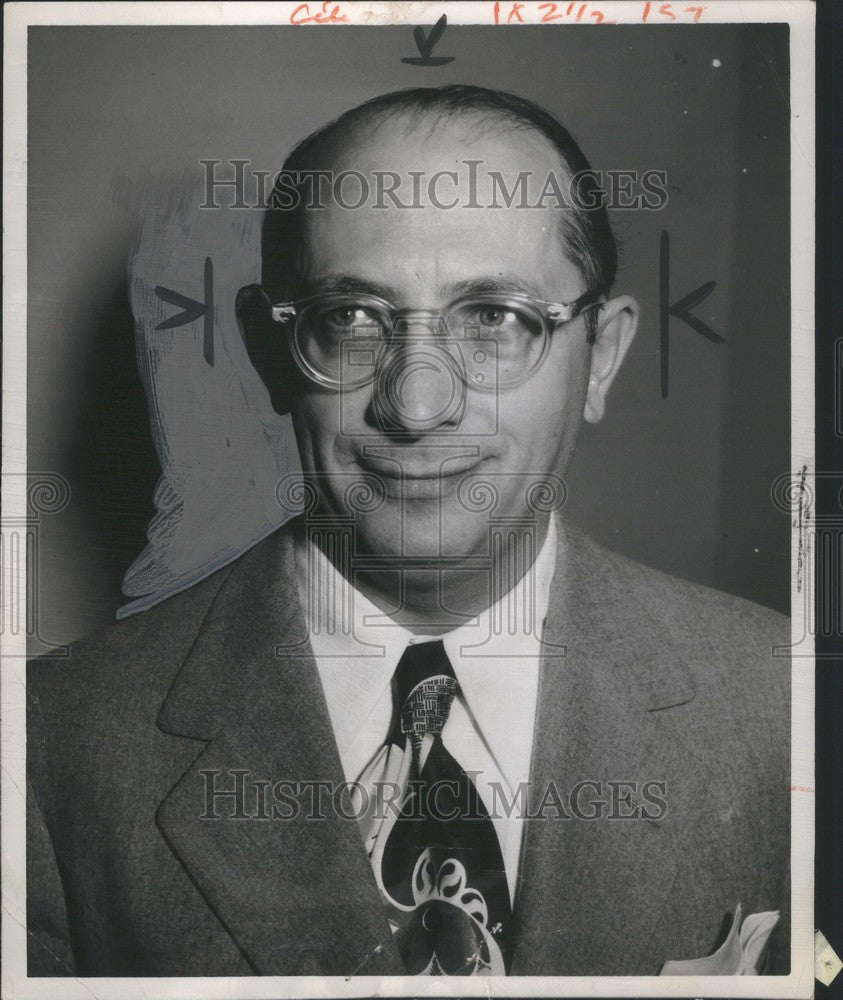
[{"x": 328, "y": 144}]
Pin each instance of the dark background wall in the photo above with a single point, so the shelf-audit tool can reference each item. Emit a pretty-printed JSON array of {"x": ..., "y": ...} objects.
[{"x": 681, "y": 483}]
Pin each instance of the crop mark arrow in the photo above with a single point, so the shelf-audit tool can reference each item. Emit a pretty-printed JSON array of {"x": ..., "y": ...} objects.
[
  {"x": 681, "y": 310},
  {"x": 192, "y": 310},
  {"x": 426, "y": 44}
]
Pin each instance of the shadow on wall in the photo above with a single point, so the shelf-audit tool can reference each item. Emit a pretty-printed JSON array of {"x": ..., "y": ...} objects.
[{"x": 112, "y": 462}]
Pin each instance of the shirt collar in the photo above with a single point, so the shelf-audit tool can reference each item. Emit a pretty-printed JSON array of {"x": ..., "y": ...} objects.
[
  {"x": 496, "y": 661},
  {"x": 357, "y": 648}
]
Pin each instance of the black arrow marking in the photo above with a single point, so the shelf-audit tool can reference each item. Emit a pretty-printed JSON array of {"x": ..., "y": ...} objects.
[
  {"x": 681, "y": 310},
  {"x": 192, "y": 310},
  {"x": 426, "y": 44}
]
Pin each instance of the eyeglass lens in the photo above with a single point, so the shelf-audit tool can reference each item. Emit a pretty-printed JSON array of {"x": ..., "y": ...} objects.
[{"x": 494, "y": 342}]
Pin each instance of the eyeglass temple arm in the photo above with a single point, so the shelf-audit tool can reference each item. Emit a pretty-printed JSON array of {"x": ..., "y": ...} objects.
[
  {"x": 255, "y": 292},
  {"x": 282, "y": 313},
  {"x": 588, "y": 300}
]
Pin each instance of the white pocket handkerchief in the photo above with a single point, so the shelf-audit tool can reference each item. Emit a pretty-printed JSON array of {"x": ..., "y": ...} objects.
[{"x": 739, "y": 955}]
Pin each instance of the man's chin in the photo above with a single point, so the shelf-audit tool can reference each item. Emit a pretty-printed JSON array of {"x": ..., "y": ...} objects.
[{"x": 416, "y": 530}]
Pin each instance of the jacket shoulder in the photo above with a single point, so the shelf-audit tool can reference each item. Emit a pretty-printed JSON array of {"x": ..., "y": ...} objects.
[
  {"x": 127, "y": 663},
  {"x": 736, "y": 651},
  {"x": 693, "y": 611}
]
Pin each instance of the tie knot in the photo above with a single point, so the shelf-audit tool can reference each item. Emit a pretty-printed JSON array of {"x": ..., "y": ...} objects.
[{"x": 425, "y": 688}]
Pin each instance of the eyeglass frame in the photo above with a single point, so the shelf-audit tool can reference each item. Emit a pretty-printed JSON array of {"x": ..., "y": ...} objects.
[{"x": 553, "y": 315}]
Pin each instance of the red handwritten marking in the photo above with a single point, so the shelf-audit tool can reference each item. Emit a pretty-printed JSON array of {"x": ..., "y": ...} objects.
[
  {"x": 801, "y": 788},
  {"x": 550, "y": 11},
  {"x": 551, "y": 14},
  {"x": 325, "y": 16}
]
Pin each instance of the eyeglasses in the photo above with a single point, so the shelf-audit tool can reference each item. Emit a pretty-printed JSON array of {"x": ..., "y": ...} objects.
[{"x": 492, "y": 341}]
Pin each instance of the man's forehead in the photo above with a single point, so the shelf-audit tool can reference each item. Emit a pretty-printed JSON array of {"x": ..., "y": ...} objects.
[
  {"x": 436, "y": 255},
  {"x": 432, "y": 201},
  {"x": 435, "y": 174}
]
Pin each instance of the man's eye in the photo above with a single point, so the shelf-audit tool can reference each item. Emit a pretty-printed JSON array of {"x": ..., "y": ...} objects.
[
  {"x": 345, "y": 316},
  {"x": 349, "y": 317},
  {"x": 491, "y": 315}
]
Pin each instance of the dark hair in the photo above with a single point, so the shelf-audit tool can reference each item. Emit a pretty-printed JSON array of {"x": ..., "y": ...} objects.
[{"x": 585, "y": 232}]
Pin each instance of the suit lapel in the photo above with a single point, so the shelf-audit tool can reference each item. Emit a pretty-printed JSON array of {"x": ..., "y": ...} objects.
[
  {"x": 591, "y": 889},
  {"x": 288, "y": 879}
]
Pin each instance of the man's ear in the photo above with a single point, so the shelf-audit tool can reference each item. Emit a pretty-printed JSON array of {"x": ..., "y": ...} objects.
[
  {"x": 617, "y": 322},
  {"x": 267, "y": 345}
]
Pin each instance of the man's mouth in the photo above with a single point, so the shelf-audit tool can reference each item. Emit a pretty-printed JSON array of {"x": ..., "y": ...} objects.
[
  {"x": 417, "y": 476},
  {"x": 409, "y": 466}
]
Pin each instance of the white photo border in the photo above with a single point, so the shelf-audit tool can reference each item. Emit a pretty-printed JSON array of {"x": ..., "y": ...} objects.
[{"x": 800, "y": 15}]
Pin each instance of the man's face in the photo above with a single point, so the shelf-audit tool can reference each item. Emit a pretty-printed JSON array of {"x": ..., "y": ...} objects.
[{"x": 510, "y": 438}]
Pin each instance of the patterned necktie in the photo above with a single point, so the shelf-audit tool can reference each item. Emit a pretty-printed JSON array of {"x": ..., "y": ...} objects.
[{"x": 436, "y": 857}]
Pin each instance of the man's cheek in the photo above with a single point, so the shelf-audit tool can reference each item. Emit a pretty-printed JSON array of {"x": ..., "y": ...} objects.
[
  {"x": 316, "y": 423},
  {"x": 304, "y": 439}
]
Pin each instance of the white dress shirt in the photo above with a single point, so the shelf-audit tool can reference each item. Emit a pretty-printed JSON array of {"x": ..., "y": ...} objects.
[{"x": 495, "y": 657}]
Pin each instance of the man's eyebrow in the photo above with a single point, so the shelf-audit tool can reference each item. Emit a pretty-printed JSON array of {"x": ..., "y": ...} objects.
[
  {"x": 347, "y": 284},
  {"x": 354, "y": 284},
  {"x": 492, "y": 285}
]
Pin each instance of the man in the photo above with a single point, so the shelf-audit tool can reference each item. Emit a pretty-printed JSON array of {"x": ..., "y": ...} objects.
[{"x": 612, "y": 744}]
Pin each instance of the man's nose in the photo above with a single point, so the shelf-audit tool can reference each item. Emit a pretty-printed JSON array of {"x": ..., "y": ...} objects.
[{"x": 419, "y": 387}]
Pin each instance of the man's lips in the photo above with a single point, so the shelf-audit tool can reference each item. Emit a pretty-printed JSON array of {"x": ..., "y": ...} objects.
[{"x": 408, "y": 467}]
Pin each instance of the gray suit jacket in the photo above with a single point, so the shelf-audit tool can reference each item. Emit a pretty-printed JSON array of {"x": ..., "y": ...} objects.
[{"x": 661, "y": 680}]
